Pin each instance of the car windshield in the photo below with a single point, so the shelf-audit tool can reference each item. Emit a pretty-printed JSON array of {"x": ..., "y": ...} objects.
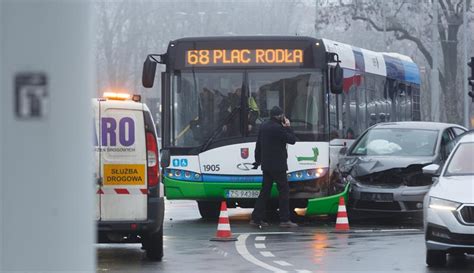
[
  {"x": 461, "y": 162},
  {"x": 396, "y": 142}
]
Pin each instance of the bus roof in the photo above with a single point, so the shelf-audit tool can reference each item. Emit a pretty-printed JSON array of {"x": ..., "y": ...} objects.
[
  {"x": 247, "y": 38},
  {"x": 353, "y": 59},
  {"x": 392, "y": 65}
]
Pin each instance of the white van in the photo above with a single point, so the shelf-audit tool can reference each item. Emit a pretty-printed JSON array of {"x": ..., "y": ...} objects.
[{"x": 130, "y": 200}]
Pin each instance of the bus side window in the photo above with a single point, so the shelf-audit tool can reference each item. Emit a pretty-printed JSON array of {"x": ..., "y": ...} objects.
[
  {"x": 362, "y": 102},
  {"x": 409, "y": 102},
  {"x": 415, "y": 91},
  {"x": 371, "y": 100},
  {"x": 333, "y": 116}
]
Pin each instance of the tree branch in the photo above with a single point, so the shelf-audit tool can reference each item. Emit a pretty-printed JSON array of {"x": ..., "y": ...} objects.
[
  {"x": 405, "y": 35},
  {"x": 399, "y": 8},
  {"x": 450, "y": 5},
  {"x": 444, "y": 9},
  {"x": 458, "y": 6}
]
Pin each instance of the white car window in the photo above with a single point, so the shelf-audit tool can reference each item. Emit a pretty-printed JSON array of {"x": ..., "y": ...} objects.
[{"x": 461, "y": 162}]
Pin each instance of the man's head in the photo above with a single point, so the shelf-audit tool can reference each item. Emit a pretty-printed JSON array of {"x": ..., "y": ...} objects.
[{"x": 276, "y": 112}]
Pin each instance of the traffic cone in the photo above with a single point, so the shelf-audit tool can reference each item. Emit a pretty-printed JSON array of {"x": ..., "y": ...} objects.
[
  {"x": 342, "y": 222},
  {"x": 223, "y": 233}
]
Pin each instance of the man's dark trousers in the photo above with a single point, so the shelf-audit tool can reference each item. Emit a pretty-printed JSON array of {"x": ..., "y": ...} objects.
[{"x": 280, "y": 178}]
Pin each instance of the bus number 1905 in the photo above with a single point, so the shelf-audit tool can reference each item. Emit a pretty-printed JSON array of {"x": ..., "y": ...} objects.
[{"x": 212, "y": 168}]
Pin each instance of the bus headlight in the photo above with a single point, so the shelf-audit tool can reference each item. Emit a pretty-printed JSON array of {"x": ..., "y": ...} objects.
[
  {"x": 309, "y": 174},
  {"x": 321, "y": 172},
  {"x": 441, "y": 204},
  {"x": 182, "y": 175}
]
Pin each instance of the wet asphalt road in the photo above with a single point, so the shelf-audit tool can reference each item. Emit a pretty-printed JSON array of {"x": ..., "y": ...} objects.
[{"x": 312, "y": 247}]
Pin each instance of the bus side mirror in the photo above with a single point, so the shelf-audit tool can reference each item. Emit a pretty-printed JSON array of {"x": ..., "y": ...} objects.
[
  {"x": 337, "y": 79},
  {"x": 149, "y": 70},
  {"x": 165, "y": 157}
]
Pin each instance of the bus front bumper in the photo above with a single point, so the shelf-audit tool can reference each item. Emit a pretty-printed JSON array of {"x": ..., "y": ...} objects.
[
  {"x": 326, "y": 205},
  {"x": 206, "y": 191}
]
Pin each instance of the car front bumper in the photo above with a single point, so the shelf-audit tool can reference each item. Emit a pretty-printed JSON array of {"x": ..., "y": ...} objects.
[
  {"x": 441, "y": 238},
  {"x": 379, "y": 199}
]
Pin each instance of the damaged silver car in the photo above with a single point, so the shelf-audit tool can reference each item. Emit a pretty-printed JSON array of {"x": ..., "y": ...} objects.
[{"x": 384, "y": 165}]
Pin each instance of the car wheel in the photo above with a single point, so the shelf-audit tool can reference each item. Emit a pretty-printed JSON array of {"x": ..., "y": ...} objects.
[
  {"x": 153, "y": 245},
  {"x": 209, "y": 210},
  {"x": 435, "y": 257}
]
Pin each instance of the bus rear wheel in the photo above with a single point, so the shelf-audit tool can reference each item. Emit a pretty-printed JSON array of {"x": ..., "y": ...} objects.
[{"x": 209, "y": 209}]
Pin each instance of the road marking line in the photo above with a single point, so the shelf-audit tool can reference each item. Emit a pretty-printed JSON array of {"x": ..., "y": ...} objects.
[
  {"x": 267, "y": 254},
  {"x": 260, "y": 238},
  {"x": 388, "y": 230},
  {"x": 303, "y": 271},
  {"x": 243, "y": 251},
  {"x": 282, "y": 263},
  {"x": 260, "y": 246},
  {"x": 263, "y": 233},
  {"x": 402, "y": 230}
]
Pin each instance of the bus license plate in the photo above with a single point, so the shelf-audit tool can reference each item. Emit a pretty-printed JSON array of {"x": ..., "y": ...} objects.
[{"x": 242, "y": 193}]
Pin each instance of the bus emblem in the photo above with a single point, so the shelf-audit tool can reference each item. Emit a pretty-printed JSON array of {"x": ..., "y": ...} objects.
[
  {"x": 313, "y": 158},
  {"x": 244, "y": 153}
]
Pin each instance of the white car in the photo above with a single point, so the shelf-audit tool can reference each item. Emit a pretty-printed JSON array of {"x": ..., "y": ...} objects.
[{"x": 449, "y": 205}]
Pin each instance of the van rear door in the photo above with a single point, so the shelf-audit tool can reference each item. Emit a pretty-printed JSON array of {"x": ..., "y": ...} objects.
[
  {"x": 123, "y": 160},
  {"x": 97, "y": 155}
]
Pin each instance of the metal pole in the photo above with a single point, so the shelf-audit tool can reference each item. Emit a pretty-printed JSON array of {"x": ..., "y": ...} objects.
[
  {"x": 465, "y": 83},
  {"x": 46, "y": 187},
  {"x": 435, "y": 103},
  {"x": 316, "y": 2},
  {"x": 384, "y": 25}
]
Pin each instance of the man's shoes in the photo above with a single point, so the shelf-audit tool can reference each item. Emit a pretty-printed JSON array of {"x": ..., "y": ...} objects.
[
  {"x": 288, "y": 224},
  {"x": 258, "y": 223}
]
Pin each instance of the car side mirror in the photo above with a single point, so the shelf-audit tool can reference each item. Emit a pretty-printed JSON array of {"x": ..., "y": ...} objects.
[
  {"x": 343, "y": 151},
  {"x": 431, "y": 169}
]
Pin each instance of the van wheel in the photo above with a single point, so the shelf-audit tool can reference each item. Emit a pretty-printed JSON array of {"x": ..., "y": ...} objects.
[
  {"x": 153, "y": 245},
  {"x": 209, "y": 210},
  {"x": 435, "y": 258}
]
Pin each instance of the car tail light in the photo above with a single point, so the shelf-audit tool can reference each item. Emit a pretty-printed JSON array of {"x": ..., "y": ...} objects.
[{"x": 152, "y": 160}]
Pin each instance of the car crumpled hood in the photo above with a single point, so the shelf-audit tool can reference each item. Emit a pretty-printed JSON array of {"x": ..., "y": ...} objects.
[
  {"x": 455, "y": 188},
  {"x": 365, "y": 165}
]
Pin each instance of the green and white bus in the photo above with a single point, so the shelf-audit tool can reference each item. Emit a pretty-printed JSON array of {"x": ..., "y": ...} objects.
[{"x": 216, "y": 91}]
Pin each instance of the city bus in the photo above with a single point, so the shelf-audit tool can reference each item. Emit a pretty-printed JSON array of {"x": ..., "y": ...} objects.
[{"x": 216, "y": 91}]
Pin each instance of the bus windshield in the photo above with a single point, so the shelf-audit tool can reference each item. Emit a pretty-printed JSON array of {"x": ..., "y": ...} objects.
[{"x": 233, "y": 104}]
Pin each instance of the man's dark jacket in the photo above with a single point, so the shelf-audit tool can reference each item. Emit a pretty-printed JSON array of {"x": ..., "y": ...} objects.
[{"x": 270, "y": 150}]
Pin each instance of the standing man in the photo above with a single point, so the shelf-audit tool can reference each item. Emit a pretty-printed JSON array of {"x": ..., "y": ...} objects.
[{"x": 271, "y": 154}]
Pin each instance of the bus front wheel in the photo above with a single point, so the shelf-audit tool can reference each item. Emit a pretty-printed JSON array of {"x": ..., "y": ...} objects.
[{"x": 209, "y": 209}]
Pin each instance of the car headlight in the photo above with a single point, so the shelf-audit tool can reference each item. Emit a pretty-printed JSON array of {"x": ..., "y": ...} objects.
[{"x": 441, "y": 204}]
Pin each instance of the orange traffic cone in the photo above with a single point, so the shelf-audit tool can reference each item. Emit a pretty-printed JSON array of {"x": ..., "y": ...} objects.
[
  {"x": 342, "y": 222},
  {"x": 223, "y": 227}
]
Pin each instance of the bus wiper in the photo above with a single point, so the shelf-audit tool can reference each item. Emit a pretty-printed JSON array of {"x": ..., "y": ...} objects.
[{"x": 218, "y": 129}]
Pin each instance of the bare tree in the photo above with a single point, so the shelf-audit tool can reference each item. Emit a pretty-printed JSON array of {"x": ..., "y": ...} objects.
[{"x": 411, "y": 20}]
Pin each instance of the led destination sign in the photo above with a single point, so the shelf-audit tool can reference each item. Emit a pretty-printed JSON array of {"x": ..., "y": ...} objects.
[{"x": 244, "y": 57}]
